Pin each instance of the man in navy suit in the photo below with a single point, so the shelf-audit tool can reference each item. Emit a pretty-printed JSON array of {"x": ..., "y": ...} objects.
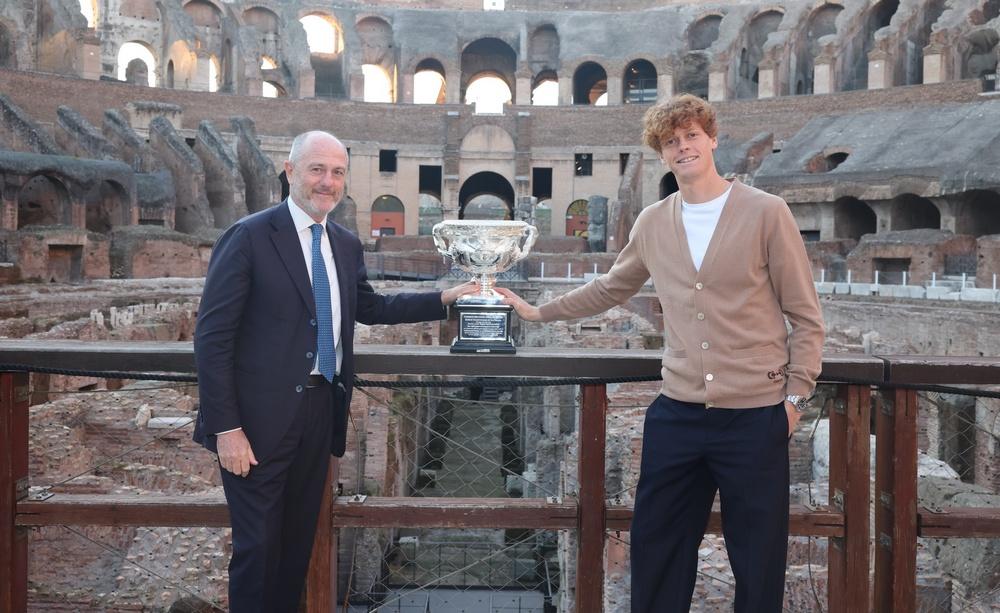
[{"x": 274, "y": 351}]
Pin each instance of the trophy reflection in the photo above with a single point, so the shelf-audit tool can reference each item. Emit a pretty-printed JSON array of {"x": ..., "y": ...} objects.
[{"x": 484, "y": 248}]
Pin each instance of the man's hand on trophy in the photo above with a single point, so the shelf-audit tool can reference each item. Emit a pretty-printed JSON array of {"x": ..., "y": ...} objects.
[
  {"x": 452, "y": 294},
  {"x": 524, "y": 310}
]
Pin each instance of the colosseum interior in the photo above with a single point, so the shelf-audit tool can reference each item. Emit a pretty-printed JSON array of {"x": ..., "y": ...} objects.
[{"x": 132, "y": 132}]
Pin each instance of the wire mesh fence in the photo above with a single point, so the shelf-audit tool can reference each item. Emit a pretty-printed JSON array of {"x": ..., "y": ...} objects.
[{"x": 958, "y": 439}]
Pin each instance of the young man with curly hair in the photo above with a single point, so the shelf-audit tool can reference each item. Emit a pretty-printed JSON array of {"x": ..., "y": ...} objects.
[{"x": 729, "y": 267}]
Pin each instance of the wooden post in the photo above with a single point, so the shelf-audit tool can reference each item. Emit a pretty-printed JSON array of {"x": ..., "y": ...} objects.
[
  {"x": 896, "y": 503},
  {"x": 590, "y": 471},
  {"x": 850, "y": 465},
  {"x": 13, "y": 487},
  {"x": 321, "y": 582}
]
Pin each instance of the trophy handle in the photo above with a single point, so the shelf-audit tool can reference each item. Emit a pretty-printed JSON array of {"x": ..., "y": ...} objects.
[
  {"x": 441, "y": 241},
  {"x": 530, "y": 234}
]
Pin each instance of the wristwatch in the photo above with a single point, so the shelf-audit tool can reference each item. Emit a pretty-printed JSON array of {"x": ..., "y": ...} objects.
[{"x": 799, "y": 402}]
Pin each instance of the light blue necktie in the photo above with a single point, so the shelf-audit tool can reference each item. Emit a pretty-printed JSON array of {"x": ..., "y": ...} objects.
[{"x": 324, "y": 309}]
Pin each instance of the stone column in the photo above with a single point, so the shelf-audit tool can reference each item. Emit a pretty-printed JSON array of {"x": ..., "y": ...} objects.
[
  {"x": 947, "y": 207},
  {"x": 565, "y": 91},
  {"x": 449, "y": 197},
  {"x": 522, "y": 87},
  {"x": 767, "y": 78},
  {"x": 883, "y": 215},
  {"x": 664, "y": 86},
  {"x": 356, "y": 85},
  {"x": 409, "y": 91},
  {"x": 202, "y": 70},
  {"x": 614, "y": 91},
  {"x": 935, "y": 64},
  {"x": 823, "y": 74},
  {"x": 717, "y": 89},
  {"x": 89, "y": 57},
  {"x": 879, "y": 70},
  {"x": 8, "y": 212},
  {"x": 307, "y": 83}
]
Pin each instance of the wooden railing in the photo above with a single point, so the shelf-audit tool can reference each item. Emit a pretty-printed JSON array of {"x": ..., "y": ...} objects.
[{"x": 898, "y": 520}]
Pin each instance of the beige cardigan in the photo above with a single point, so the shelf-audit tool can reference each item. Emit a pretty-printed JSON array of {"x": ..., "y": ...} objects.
[{"x": 727, "y": 345}]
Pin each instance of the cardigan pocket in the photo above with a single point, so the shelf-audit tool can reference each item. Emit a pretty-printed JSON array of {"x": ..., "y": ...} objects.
[{"x": 752, "y": 352}]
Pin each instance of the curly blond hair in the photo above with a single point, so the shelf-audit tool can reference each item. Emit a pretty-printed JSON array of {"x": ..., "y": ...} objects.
[{"x": 680, "y": 111}]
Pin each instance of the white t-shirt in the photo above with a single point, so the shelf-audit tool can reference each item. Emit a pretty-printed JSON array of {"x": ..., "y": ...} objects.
[{"x": 699, "y": 224}]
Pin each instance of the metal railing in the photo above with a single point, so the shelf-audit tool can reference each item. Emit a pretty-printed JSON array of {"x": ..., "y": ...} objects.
[{"x": 874, "y": 396}]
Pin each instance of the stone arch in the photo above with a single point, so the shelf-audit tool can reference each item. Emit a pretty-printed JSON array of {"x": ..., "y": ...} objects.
[
  {"x": 590, "y": 83},
  {"x": 489, "y": 92},
  {"x": 43, "y": 201},
  {"x": 264, "y": 19},
  {"x": 877, "y": 18},
  {"x": 980, "y": 57},
  {"x": 692, "y": 76},
  {"x": 761, "y": 26},
  {"x": 137, "y": 63},
  {"x": 204, "y": 14},
  {"x": 668, "y": 185},
  {"x": 139, "y": 9},
  {"x": 639, "y": 82},
  {"x": 326, "y": 44},
  {"x": 378, "y": 84},
  {"x": 388, "y": 216},
  {"x": 430, "y": 84},
  {"x": 822, "y": 21},
  {"x": 431, "y": 212},
  {"x": 704, "y": 32},
  {"x": 8, "y": 58},
  {"x": 486, "y": 138},
  {"x": 978, "y": 212},
  {"x": 107, "y": 207},
  {"x": 543, "y": 49},
  {"x": 853, "y": 218},
  {"x": 170, "y": 75},
  {"x": 486, "y": 183},
  {"x": 487, "y": 56},
  {"x": 545, "y": 89},
  {"x": 577, "y": 218},
  {"x": 376, "y": 39},
  {"x": 909, "y": 212}
]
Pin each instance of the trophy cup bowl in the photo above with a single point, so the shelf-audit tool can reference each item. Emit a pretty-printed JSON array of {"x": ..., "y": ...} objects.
[{"x": 484, "y": 248}]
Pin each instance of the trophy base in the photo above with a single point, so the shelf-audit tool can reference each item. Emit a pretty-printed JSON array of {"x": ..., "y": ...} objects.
[{"x": 483, "y": 328}]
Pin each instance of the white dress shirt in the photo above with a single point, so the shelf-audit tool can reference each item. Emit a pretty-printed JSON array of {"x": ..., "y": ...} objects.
[{"x": 303, "y": 223}]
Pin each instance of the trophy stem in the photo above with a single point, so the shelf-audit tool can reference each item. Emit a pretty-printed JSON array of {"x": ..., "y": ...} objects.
[{"x": 486, "y": 283}]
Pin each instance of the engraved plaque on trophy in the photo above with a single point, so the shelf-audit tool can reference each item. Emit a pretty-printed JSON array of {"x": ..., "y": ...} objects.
[{"x": 484, "y": 248}]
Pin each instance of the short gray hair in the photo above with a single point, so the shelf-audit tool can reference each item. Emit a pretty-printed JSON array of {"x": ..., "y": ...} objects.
[{"x": 299, "y": 143}]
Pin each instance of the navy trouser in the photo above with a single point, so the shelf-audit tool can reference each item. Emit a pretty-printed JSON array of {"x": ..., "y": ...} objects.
[
  {"x": 274, "y": 512},
  {"x": 689, "y": 452}
]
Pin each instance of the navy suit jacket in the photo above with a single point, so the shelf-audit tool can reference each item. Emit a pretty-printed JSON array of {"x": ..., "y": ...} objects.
[{"x": 255, "y": 339}]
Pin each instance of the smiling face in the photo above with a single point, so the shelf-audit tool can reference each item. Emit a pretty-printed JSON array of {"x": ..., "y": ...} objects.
[
  {"x": 689, "y": 153},
  {"x": 317, "y": 175}
]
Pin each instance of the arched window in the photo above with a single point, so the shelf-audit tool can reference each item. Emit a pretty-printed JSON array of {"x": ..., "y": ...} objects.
[
  {"x": 378, "y": 86},
  {"x": 388, "y": 216},
  {"x": 89, "y": 8},
  {"x": 429, "y": 83},
  {"x": 577, "y": 218},
  {"x": 136, "y": 60},
  {"x": 640, "y": 83},
  {"x": 590, "y": 85},
  {"x": 488, "y": 92},
  {"x": 323, "y": 35},
  {"x": 546, "y": 90}
]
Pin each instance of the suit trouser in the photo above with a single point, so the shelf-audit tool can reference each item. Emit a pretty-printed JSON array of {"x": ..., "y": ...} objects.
[
  {"x": 274, "y": 512},
  {"x": 689, "y": 452}
]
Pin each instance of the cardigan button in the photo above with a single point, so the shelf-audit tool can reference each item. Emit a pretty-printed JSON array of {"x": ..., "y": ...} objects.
[
  {"x": 704, "y": 345},
  {"x": 709, "y": 377},
  {"x": 298, "y": 388},
  {"x": 699, "y": 285}
]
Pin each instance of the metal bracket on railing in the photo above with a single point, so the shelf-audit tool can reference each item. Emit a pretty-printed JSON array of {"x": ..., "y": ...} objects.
[
  {"x": 838, "y": 500},
  {"x": 809, "y": 506},
  {"x": 357, "y": 499},
  {"x": 42, "y": 494},
  {"x": 885, "y": 540},
  {"x": 840, "y": 406},
  {"x": 21, "y": 488},
  {"x": 935, "y": 510},
  {"x": 553, "y": 500},
  {"x": 886, "y": 499},
  {"x": 887, "y": 408}
]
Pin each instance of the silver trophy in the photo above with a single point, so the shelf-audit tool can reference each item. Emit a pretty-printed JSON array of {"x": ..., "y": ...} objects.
[{"x": 484, "y": 248}]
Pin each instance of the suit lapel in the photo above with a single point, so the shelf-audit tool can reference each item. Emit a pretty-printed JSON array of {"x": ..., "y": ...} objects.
[{"x": 286, "y": 242}]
